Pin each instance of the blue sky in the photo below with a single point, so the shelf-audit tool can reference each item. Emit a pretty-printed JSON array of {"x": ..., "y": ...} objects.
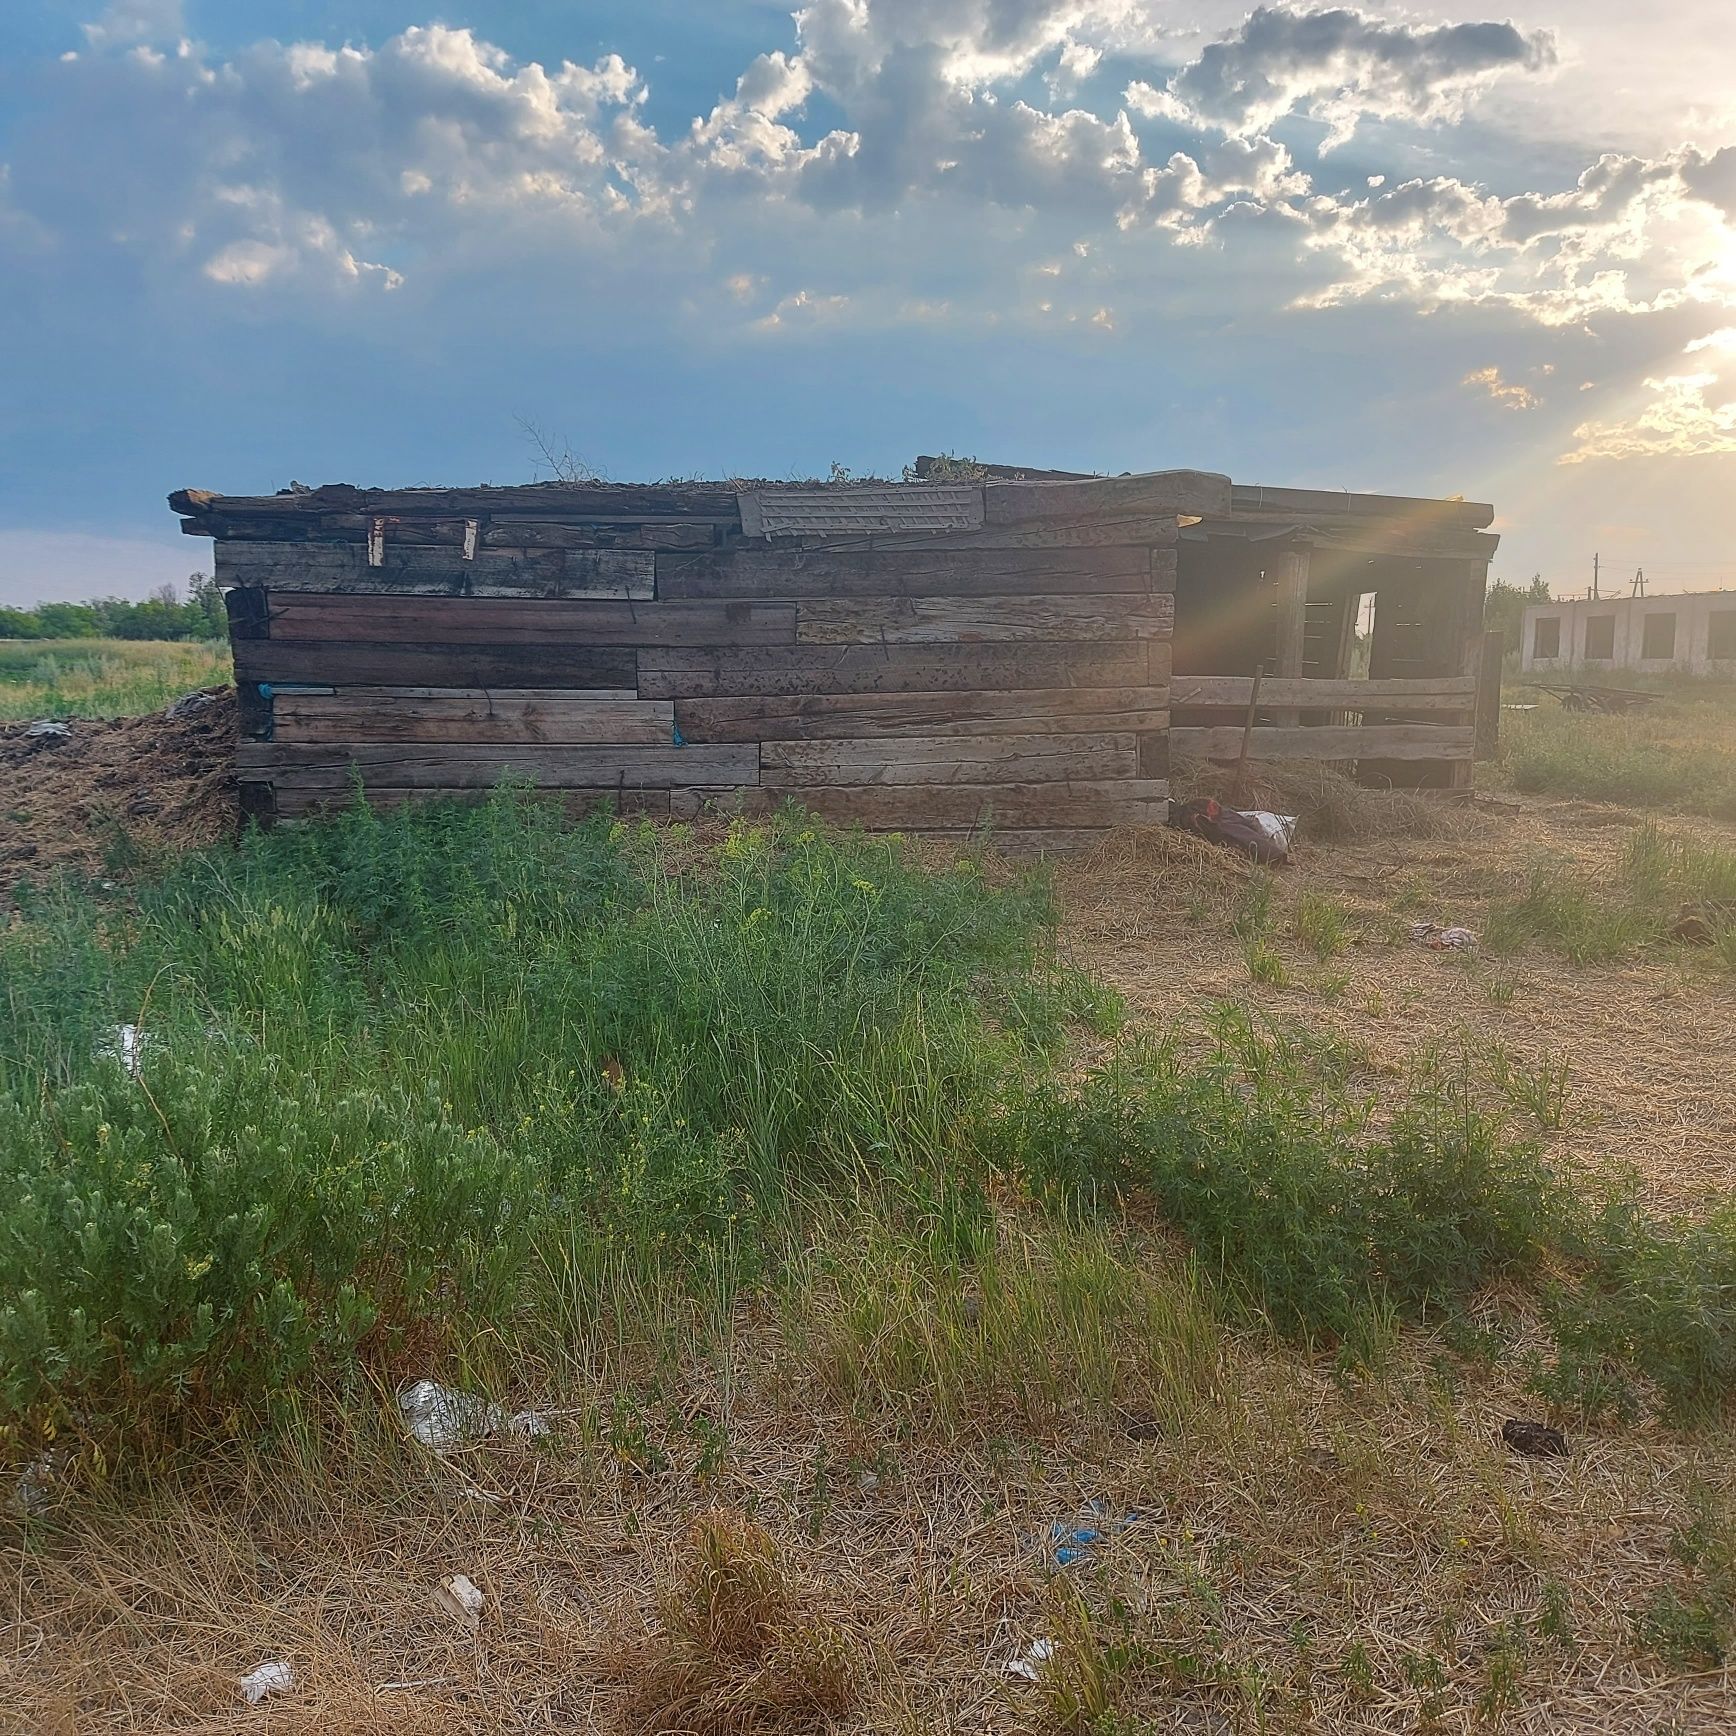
[{"x": 1381, "y": 247}]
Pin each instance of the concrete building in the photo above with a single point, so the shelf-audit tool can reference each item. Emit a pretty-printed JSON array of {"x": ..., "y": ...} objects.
[{"x": 1690, "y": 634}]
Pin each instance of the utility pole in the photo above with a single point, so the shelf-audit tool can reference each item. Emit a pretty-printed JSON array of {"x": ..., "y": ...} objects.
[
  {"x": 1639, "y": 589},
  {"x": 1596, "y": 562}
]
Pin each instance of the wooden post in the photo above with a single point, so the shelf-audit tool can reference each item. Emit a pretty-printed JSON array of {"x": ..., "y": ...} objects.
[
  {"x": 1237, "y": 796},
  {"x": 1291, "y": 571},
  {"x": 1489, "y": 696}
]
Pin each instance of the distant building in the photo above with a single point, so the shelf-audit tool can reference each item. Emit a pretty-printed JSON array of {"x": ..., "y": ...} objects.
[{"x": 1693, "y": 634}]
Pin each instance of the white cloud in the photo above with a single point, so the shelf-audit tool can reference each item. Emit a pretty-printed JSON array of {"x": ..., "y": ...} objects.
[
  {"x": 1341, "y": 66},
  {"x": 1682, "y": 415},
  {"x": 1508, "y": 393},
  {"x": 126, "y": 22}
]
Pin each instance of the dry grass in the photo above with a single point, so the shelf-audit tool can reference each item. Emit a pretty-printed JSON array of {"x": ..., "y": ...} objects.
[
  {"x": 1309, "y": 1548},
  {"x": 1646, "y": 1042}
]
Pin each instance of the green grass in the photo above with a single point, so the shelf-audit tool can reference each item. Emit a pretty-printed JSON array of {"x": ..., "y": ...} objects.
[
  {"x": 458, "y": 1086},
  {"x": 103, "y": 677},
  {"x": 1679, "y": 754},
  {"x": 1665, "y": 881}
]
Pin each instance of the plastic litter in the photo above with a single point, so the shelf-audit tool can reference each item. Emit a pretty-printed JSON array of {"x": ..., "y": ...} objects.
[
  {"x": 189, "y": 705},
  {"x": 440, "y": 1417},
  {"x": 126, "y": 1044},
  {"x": 1029, "y": 1668},
  {"x": 275, "y": 1677},
  {"x": 34, "y": 1492},
  {"x": 462, "y": 1599},
  {"x": 1441, "y": 939},
  {"x": 46, "y": 729},
  {"x": 1075, "y": 1542},
  {"x": 1280, "y": 828},
  {"x": 1255, "y": 833}
]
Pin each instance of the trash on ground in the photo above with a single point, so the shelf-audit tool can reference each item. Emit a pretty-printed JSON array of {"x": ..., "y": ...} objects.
[
  {"x": 47, "y": 729},
  {"x": 532, "y": 1425},
  {"x": 441, "y": 1417},
  {"x": 37, "y": 1485},
  {"x": 275, "y": 1677},
  {"x": 1265, "y": 837},
  {"x": 1699, "y": 924},
  {"x": 190, "y": 704},
  {"x": 126, "y": 1044},
  {"x": 1534, "y": 1440},
  {"x": 1439, "y": 938},
  {"x": 1075, "y": 1542},
  {"x": 1029, "y": 1668},
  {"x": 461, "y": 1598}
]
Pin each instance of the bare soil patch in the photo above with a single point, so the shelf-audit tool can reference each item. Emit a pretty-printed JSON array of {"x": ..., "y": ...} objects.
[{"x": 163, "y": 783}]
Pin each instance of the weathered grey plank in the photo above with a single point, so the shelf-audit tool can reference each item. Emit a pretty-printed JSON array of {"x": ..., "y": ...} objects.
[
  {"x": 1197, "y": 493},
  {"x": 1437, "y": 693},
  {"x": 499, "y": 621},
  {"x": 1395, "y": 741},
  {"x": 921, "y": 807},
  {"x": 749, "y": 570},
  {"x": 821, "y": 716},
  {"x": 983, "y": 620},
  {"x": 422, "y": 767},
  {"x": 439, "y": 572},
  {"x": 1154, "y": 531},
  {"x": 481, "y": 717},
  {"x": 674, "y": 673},
  {"x": 949, "y": 759},
  {"x": 292, "y": 799},
  {"x": 410, "y": 664}
]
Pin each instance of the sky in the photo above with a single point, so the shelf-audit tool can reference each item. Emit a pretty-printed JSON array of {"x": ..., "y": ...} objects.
[{"x": 1420, "y": 250}]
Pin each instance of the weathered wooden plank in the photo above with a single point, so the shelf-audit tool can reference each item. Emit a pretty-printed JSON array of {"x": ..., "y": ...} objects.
[
  {"x": 501, "y": 621},
  {"x": 292, "y": 799},
  {"x": 982, "y": 620},
  {"x": 413, "y": 664},
  {"x": 482, "y": 717},
  {"x": 639, "y": 502},
  {"x": 823, "y": 716},
  {"x": 247, "y": 607},
  {"x": 1123, "y": 802},
  {"x": 752, "y": 570},
  {"x": 413, "y": 766},
  {"x": 676, "y": 673},
  {"x": 1406, "y": 741},
  {"x": 1435, "y": 693},
  {"x": 949, "y": 759},
  {"x": 512, "y": 532},
  {"x": 342, "y": 568},
  {"x": 1155, "y": 531},
  {"x": 1158, "y": 493}
]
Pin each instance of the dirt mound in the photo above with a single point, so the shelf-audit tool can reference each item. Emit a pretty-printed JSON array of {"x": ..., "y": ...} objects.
[{"x": 114, "y": 785}]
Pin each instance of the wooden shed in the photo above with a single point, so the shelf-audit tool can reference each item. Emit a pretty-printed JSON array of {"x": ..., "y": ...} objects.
[{"x": 1023, "y": 650}]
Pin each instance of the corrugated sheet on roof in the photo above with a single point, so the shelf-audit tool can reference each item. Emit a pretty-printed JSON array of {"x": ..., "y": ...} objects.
[{"x": 901, "y": 510}]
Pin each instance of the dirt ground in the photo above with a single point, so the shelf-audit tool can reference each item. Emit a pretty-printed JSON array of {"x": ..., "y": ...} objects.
[
  {"x": 136, "y": 783},
  {"x": 1650, "y": 1046},
  {"x": 1312, "y": 1540}
]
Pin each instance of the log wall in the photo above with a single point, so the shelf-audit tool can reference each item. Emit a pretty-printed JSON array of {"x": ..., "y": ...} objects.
[{"x": 642, "y": 655}]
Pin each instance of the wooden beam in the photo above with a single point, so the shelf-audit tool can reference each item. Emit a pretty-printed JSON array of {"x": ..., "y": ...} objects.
[
  {"x": 841, "y": 574},
  {"x": 1162, "y": 493},
  {"x": 342, "y": 569},
  {"x": 1290, "y": 569},
  {"x": 676, "y": 673},
  {"x": 826, "y": 716},
  {"x": 1394, "y": 741},
  {"x": 983, "y": 620},
  {"x": 922, "y": 807},
  {"x": 422, "y": 766},
  {"x": 504, "y": 621},
  {"x": 1489, "y": 696},
  {"x": 949, "y": 759},
  {"x": 1438, "y": 693},
  {"x": 420, "y": 665},
  {"x": 479, "y": 717}
]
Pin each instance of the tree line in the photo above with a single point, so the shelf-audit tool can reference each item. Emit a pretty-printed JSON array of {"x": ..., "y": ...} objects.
[{"x": 162, "y": 615}]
